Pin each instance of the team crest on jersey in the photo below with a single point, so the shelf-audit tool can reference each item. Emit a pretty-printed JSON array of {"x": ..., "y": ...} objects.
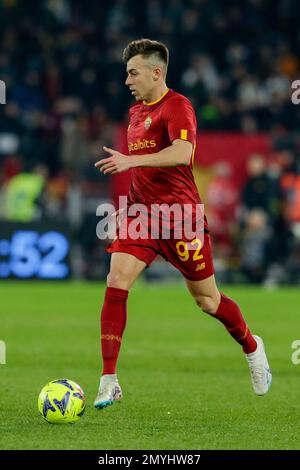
[{"x": 147, "y": 122}]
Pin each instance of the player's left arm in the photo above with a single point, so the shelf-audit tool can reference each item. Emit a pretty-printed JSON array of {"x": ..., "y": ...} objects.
[{"x": 179, "y": 153}]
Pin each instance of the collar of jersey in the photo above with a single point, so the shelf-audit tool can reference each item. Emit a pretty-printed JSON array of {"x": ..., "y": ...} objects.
[{"x": 159, "y": 99}]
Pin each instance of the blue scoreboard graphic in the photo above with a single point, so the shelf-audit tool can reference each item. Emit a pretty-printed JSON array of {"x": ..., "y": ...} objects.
[{"x": 34, "y": 251}]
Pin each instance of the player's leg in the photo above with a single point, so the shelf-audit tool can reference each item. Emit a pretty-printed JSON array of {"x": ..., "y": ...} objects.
[
  {"x": 124, "y": 270},
  {"x": 218, "y": 305},
  {"x": 211, "y": 301}
]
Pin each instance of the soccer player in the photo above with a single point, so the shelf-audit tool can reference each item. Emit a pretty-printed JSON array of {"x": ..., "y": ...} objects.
[{"x": 161, "y": 142}]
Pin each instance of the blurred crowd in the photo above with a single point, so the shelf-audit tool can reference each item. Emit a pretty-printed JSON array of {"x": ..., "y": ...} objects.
[
  {"x": 256, "y": 231},
  {"x": 235, "y": 60}
]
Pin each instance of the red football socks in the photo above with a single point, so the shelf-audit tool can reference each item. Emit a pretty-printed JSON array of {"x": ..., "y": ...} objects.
[
  {"x": 230, "y": 315},
  {"x": 113, "y": 321}
]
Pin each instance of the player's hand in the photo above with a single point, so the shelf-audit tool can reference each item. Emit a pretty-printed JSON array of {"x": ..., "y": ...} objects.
[{"x": 115, "y": 163}]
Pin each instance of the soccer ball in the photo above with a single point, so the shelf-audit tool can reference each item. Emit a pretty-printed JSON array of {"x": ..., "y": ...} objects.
[{"x": 61, "y": 401}]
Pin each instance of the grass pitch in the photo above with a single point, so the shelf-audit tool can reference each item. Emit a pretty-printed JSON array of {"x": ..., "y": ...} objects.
[{"x": 186, "y": 383}]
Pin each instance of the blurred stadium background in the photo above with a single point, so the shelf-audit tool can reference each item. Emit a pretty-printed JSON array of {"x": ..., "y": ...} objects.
[{"x": 65, "y": 97}]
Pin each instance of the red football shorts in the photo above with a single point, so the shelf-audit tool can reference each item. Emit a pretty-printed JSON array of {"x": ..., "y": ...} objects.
[{"x": 192, "y": 257}]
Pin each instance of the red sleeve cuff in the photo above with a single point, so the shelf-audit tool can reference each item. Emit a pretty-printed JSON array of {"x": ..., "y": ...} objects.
[{"x": 183, "y": 134}]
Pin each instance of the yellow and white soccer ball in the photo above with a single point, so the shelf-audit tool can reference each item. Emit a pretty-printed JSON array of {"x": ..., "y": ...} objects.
[{"x": 61, "y": 401}]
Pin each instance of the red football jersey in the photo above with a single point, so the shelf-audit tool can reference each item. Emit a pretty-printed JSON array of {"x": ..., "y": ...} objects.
[{"x": 153, "y": 127}]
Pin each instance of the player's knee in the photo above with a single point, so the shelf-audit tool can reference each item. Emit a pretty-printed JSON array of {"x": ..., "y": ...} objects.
[
  {"x": 207, "y": 304},
  {"x": 118, "y": 279}
]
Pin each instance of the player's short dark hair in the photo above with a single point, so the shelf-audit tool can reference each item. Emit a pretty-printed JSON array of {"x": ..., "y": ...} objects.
[{"x": 146, "y": 48}]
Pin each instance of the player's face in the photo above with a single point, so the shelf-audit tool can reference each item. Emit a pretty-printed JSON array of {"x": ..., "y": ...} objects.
[{"x": 141, "y": 78}]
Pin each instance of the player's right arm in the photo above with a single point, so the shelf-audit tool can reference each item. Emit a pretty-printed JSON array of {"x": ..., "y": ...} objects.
[{"x": 179, "y": 153}]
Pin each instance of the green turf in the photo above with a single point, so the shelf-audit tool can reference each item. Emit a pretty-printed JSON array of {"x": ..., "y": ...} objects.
[{"x": 185, "y": 382}]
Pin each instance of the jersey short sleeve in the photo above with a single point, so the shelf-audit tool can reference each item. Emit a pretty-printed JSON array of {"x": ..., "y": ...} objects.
[{"x": 180, "y": 120}]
